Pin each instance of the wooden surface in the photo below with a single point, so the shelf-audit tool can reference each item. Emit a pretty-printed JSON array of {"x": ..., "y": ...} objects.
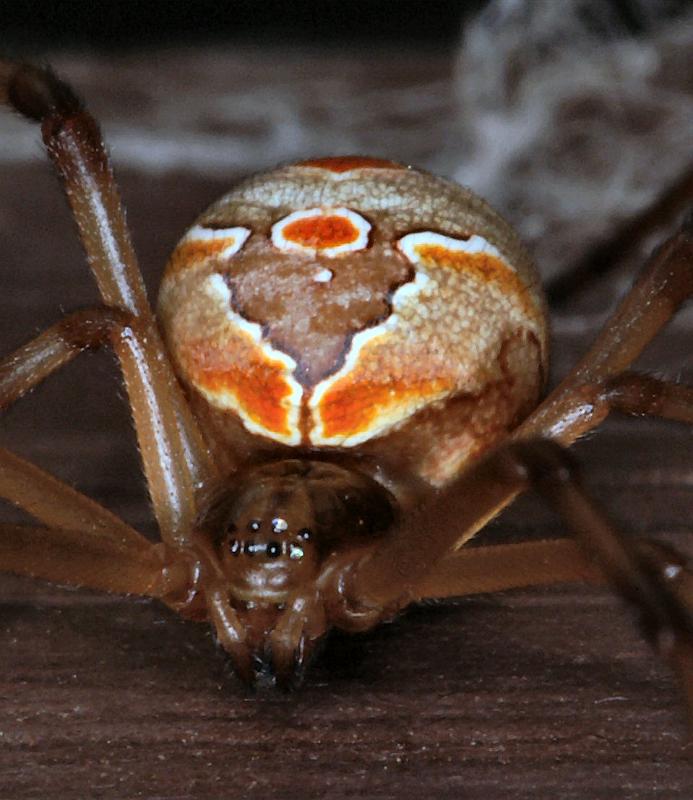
[{"x": 533, "y": 694}]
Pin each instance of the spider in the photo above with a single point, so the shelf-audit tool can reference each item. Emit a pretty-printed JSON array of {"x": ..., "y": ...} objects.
[{"x": 342, "y": 387}]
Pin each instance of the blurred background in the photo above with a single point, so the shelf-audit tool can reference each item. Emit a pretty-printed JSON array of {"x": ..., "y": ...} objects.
[
  {"x": 569, "y": 116},
  {"x": 73, "y": 23},
  {"x": 127, "y": 24}
]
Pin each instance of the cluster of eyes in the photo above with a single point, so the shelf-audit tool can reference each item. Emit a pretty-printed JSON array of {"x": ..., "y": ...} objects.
[{"x": 272, "y": 549}]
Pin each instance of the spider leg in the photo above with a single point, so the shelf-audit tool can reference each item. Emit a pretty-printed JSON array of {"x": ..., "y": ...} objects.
[
  {"x": 20, "y": 482},
  {"x": 85, "y": 544},
  {"x": 599, "y": 382},
  {"x": 102, "y": 560},
  {"x": 58, "y": 505},
  {"x": 24, "y": 484},
  {"x": 627, "y": 393},
  {"x": 651, "y": 577},
  {"x": 418, "y": 561},
  {"x": 494, "y": 568},
  {"x": 176, "y": 460},
  {"x": 55, "y": 347}
]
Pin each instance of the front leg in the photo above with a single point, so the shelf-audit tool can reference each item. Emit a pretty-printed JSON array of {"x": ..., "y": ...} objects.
[
  {"x": 176, "y": 460},
  {"x": 25, "y": 485}
]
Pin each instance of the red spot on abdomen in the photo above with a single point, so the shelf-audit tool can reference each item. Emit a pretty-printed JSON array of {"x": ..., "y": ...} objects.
[
  {"x": 321, "y": 232},
  {"x": 347, "y": 163}
]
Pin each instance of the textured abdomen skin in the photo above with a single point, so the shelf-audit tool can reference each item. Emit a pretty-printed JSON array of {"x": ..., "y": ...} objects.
[{"x": 358, "y": 307}]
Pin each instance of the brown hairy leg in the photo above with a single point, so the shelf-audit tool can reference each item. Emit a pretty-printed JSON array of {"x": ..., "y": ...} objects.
[
  {"x": 176, "y": 460},
  {"x": 73, "y": 558}
]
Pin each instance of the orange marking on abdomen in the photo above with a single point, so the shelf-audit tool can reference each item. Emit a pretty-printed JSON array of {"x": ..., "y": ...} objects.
[
  {"x": 484, "y": 266},
  {"x": 194, "y": 252},
  {"x": 200, "y": 244},
  {"x": 351, "y": 407},
  {"x": 347, "y": 163},
  {"x": 321, "y": 231},
  {"x": 258, "y": 386},
  {"x": 485, "y": 263}
]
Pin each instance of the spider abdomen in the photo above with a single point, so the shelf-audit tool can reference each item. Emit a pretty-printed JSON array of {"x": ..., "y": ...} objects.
[{"x": 354, "y": 304}]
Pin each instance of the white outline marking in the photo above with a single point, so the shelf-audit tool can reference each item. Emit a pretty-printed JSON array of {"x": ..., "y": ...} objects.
[
  {"x": 475, "y": 244},
  {"x": 288, "y": 246},
  {"x": 382, "y": 422},
  {"x": 323, "y": 276},
  {"x": 199, "y": 233},
  {"x": 216, "y": 289}
]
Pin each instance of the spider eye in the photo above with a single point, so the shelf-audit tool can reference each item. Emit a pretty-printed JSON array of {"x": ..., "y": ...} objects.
[
  {"x": 254, "y": 525},
  {"x": 279, "y": 525},
  {"x": 304, "y": 534},
  {"x": 235, "y": 547},
  {"x": 295, "y": 552},
  {"x": 274, "y": 549}
]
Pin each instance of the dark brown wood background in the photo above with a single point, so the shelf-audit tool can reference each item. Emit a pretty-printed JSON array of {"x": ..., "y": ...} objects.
[{"x": 532, "y": 694}]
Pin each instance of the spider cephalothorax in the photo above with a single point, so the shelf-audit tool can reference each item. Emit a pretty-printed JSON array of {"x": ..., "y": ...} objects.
[
  {"x": 284, "y": 518},
  {"x": 348, "y": 392},
  {"x": 273, "y": 533}
]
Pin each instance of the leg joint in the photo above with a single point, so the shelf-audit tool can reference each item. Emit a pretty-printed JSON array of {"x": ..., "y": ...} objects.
[
  {"x": 539, "y": 462},
  {"x": 92, "y": 327},
  {"x": 633, "y": 393},
  {"x": 37, "y": 93}
]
